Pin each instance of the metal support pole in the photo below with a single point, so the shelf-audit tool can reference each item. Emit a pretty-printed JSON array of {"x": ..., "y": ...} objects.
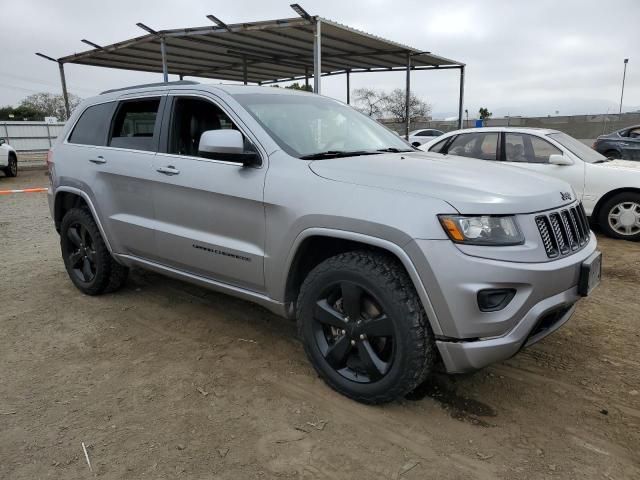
[
  {"x": 6, "y": 134},
  {"x": 461, "y": 101},
  {"x": 306, "y": 77},
  {"x": 163, "y": 52},
  {"x": 48, "y": 134},
  {"x": 317, "y": 57},
  {"x": 626, "y": 60},
  {"x": 348, "y": 88},
  {"x": 181, "y": 77},
  {"x": 65, "y": 94},
  {"x": 407, "y": 97},
  {"x": 244, "y": 70}
]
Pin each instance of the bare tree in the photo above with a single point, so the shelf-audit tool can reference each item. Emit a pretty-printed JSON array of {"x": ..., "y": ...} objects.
[
  {"x": 50, "y": 105},
  {"x": 395, "y": 104},
  {"x": 369, "y": 101}
]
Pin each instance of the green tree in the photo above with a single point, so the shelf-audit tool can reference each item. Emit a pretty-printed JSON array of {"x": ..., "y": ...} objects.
[
  {"x": 484, "y": 113},
  {"x": 49, "y": 104},
  {"x": 20, "y": 113},
  {"x": 297, "y": 86}
]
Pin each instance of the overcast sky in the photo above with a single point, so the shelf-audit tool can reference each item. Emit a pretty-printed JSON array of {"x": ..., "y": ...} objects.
[{"x": 523, "y": 57}]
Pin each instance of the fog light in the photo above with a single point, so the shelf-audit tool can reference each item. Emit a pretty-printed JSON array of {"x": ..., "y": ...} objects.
[{"x": 495, "y": 299}]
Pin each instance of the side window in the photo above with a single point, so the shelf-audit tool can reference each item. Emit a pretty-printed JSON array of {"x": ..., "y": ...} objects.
[
  {"x": 424, "y": 133},
  {"x": 191, "y": 118},
  {"x": 93, "y": 126},
  {"x": 437, "y": 148},
  {"x": 134, "y": 125},
  {"x": 514, "y": 148},
  {"x": 475, "y": 145},
  {"x": 541, "y": 150}
]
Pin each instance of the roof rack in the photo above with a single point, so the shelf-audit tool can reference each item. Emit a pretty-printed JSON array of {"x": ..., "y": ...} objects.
[{"x": 147, "y": 85}]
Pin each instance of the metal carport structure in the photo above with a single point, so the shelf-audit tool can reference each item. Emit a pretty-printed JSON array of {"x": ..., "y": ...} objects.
[{"x": 263, "y": 52}]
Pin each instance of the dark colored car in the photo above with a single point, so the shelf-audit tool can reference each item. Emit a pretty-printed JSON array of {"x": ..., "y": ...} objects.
[{"x": 624, "y": 144}]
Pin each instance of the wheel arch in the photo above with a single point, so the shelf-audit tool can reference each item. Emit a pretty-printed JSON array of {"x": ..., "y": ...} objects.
[
  {"x": 607, "y": 196},
  {"x": 69, "y": 197},
  {"x": 315, "y": 245}
]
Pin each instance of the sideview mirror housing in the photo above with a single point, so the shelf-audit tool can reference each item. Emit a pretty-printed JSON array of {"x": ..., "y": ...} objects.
[
  {"x": 226, "y": 145},
  {"x": 559, "y": 160},
  {"x": 2, "y": 141}
]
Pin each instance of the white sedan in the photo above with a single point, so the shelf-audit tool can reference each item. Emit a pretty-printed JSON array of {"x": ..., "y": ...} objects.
[
  {"x": 609, "y": 189},
  {"x": 8, "y": 159},
  {"x": 419, "y": 137}
]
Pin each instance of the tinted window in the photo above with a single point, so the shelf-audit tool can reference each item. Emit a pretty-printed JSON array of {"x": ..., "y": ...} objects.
[
  {"x": 514, "y": 148},
  {"x": 437, "y": 148},
  {"x": 425, "y": 133},
  {"x": 542, "y": 150},
  {"x": 93, "y": 126},
  {"x": 134, "y": 125},
  {"x": 191, "y": 118},
  {"x": 475, "y": 145}
]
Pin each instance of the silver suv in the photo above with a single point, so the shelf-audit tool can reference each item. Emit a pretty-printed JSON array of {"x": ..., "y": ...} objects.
[{"x": 393, "y": 261}]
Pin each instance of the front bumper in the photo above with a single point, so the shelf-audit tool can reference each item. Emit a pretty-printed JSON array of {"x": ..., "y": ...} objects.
[{"x": 468, "y": 339}]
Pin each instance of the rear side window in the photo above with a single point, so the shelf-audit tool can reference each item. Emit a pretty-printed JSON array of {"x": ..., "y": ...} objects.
[
  {"x": 93, "y": 126},
  {"x": 134, "y": 125},
  {"x": 437, "y": 148}
]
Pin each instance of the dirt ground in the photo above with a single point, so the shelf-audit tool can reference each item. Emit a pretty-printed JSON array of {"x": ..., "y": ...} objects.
[{"x": 166, "y": 380}]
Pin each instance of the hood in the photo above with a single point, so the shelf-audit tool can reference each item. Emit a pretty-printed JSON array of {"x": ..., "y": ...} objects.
[
  {"x": 620, "y": 165},
  {"x": 471, "y": 186}
]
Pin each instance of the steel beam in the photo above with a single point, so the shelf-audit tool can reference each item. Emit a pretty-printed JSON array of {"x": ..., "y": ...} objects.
[
  {"x": 461, "y": 99},
  {"x": 244, "y": 70},
  {"x": 407, "y": 97},
  {"x": 65, "y": 94},
  {"x": 317, "y": 56},
  {"x": 163, "y": 52},
  {"x": 348, "y": 88}
]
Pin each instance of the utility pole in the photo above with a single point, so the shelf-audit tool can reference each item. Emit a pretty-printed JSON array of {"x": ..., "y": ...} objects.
[{"x": 624, "y": 74}]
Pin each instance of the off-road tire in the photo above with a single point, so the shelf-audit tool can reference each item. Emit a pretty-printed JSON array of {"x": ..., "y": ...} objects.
[
  {"x": 382, "y": 275},
  {"x": 108, "y": 275},
  {"x": 605, "y": 209}
]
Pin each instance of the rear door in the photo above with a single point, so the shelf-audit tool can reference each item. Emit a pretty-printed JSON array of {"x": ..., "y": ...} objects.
[
  {"x": 124, "y": 175},
  {"x": 631, "y": 144},
  {"x": 209, "y": 211},
  {"x": 533, "y": 152}
]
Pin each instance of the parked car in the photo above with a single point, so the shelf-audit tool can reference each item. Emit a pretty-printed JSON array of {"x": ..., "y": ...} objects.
[
  {"x": 418, "y": 137},
  {"x": 390, "y": 259},
  {"x": 609, "y": 189},
  {"x": 624, "y": 144},
  {"x": 8, "y": 159}
]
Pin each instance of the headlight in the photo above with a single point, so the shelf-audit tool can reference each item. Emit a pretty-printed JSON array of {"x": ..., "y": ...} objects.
[{"x": 482, "y": 230}]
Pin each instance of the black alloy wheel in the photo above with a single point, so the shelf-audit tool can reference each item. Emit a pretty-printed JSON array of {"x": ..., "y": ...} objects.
[
  {"x": 353, "y": 333},
  {"x": 81, "y": 252}
]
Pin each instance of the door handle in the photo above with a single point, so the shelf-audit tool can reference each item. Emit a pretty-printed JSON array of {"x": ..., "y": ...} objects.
[
  {"x": 168, "y": 170},
  {"x": 99, "y": 160}
]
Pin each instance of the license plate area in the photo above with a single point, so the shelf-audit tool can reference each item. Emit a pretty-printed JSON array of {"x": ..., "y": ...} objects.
[{"x": 590, "y": 274}]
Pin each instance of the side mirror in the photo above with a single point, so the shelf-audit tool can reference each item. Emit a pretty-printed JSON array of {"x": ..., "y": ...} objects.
[
  {"x": 226, "y": 145},
  {"x": 2, "y": 141},
  {"x": 416, "y": 144},
  {"x": 556, "y": 159}
]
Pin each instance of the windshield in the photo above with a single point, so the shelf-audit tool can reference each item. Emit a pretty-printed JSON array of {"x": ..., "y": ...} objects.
[
  {"x": 579, "y": 149},
  {"x": 309, "y": 125}
]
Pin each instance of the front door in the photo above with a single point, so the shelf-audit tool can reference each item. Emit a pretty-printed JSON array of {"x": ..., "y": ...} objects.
[
  {"x": 210, "y": 218},
  {"x": 532, "y": 152}
]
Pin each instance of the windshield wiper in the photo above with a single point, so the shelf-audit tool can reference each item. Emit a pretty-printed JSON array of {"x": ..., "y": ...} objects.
[
  {"x": 393, "y": 150},
  {"x": 336, "y": 154}
]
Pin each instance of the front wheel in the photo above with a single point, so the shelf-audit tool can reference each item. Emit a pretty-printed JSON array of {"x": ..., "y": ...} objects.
[
  {"x": 12, "y": 168},
  {"x": 363, "y": 327},
  {"x": 620, "y": 216}
]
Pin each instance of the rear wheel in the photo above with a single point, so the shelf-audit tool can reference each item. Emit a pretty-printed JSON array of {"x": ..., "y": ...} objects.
[
  {"x": 12, "y": 168},
  {"x": 363, "y": 327},
  {"x": 619, "y": 217},
  {"x": 86, "y": 257}
]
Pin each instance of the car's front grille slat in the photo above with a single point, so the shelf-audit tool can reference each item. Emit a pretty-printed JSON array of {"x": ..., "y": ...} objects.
[{"x": 563, "y": 231}]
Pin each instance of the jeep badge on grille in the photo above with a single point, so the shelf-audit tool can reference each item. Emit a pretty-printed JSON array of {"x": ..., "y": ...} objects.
[{"x": 565, "y": 195}]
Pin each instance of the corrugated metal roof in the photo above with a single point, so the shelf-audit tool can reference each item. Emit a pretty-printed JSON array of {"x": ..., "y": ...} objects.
[{"x": 273, "y": 50}]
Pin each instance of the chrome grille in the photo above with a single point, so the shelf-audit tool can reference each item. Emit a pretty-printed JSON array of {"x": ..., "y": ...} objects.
[{"x": 563, "y": 231}]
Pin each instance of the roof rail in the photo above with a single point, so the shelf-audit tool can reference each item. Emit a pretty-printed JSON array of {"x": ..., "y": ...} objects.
[{"x": 146, "y": 85}]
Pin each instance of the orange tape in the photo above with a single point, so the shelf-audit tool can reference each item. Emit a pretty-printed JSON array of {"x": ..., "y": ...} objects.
[{"x": 24, "y": 190}]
